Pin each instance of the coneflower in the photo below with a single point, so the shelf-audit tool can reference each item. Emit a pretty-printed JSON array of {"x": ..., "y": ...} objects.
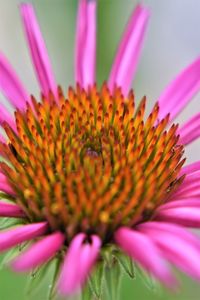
[{"x": 87, "y": 174}]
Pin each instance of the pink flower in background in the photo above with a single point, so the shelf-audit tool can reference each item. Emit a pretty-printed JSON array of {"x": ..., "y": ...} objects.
[{"x": 86, "y": 171}]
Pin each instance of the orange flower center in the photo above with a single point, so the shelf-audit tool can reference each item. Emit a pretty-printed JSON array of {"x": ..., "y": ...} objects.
[{"x": 91, "y": 162}]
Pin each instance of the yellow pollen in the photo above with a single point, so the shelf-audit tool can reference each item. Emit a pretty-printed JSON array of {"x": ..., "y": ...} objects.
[
  {"x": 27, "y": 193},
  {"x": 55, "y": 208},
  {"x": 104, "y": 217}
]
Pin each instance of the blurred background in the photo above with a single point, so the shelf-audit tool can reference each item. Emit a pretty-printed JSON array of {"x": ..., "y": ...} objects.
[{"x": 172, "y": 42}]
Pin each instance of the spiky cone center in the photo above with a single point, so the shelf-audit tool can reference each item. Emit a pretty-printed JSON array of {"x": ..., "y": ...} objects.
[{"x": 90, "y": 162}]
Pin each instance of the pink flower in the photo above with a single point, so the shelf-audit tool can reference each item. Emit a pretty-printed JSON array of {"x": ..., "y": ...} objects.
[{"x": 86, "y": 170}]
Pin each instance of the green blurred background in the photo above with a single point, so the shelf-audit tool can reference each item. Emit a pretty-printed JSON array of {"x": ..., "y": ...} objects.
[{"x": 172, "y": 42}]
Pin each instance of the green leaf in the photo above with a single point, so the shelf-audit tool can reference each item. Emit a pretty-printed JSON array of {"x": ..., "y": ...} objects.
[
  {"x": 86, "y": 293},
  {"x": 6, "y": 223},
  {"x": 51, "y": 294},
  {"x": 42, "y": 281},
  {"x": 10, "y": 254},
  {"x": 6, "y": 196},
  {"x": 126, "y": 263},
  {"x": 36, "y": 279},
  {"x": 113, "y": 276},
  {"x": 149, "y": 281},
  {"x": 96, "y": 280}
]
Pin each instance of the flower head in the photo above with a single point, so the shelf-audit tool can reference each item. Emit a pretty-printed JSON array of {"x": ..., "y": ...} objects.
[{"x": 88, "y": 172}]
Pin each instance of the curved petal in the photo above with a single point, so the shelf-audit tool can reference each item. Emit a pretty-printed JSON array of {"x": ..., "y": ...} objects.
[
  {"x": 11, "y": 86},
  {"x": 136, "y": 244},
  {"x": 173, "y": 229},
  {"x": 38, "y": 50},
  {"x": 190, "y": 188},
  {"x": 127, "y": 57},
  {"x": 191, "y": 178},
  {"x": 10, "y": 210},
  {"x": 191, "y": 168},
  {"x": 178, "y": 249},
  {"x": 13, "y": 237},
  {"x": 180, "y": 91},
  {"x": 39, "y": 253},
  {"x": 78, "y": 262},
  {"x": 190, "y": 193},
  {"x": 190, "y": 131},
  {"x": 85, "y": 59},
  {"x": 4, "y": 185},
  {"x": 187, "y": 216},
  {"x": 180, "y": 203}
]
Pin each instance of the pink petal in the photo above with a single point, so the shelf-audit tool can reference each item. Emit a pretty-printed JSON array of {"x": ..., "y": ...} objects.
[
  {"x": 190, "y": 193},
  {"x": 189, "y": 187},
  {"x": 78, "y": 262},
  {"x": 190, "y": 178},
  {"x": 191, "y": 168},
  {"x": 85, "y": 61},
  {"x": 11, "y": 85},
  {"x": 4, "y": 185},
  {"x": 80, "y": 36},
  {"x": 187, "y": 216},
  {"x": 38, "y": 50},
  {"x": 5, "y": 116},
  {"x": 39, "y": 253},
  {"x": 10, "y": 210},
  {"x": 180, "y": 203},
  {"x": 127, "y": 57},
  {"x": 177, "y": 249},
  {"x": 180, "y": 91},
  {"x": 136, "y": 245},
  {"x": 13, "y": 237},
  {"x": 173, "y": 229},
  {"x": 190, "y": 131}
]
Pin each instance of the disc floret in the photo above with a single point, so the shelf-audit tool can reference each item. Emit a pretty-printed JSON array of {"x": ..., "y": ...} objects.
[{"x": 90, "y": 161}]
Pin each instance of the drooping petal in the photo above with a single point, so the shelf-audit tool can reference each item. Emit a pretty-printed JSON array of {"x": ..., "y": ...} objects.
[
  {"x": 175, "y": 229},
  {"x": 135, "y": 244},
  {"x": 4, "y": 185},
  {"x": 5, "y": 116},
  {"x": 180, "y": 203},
  {"x": 180, "y": 91},
  {"x": 191, "y": 168},
  {"x": 38, "y": 50},
  {"x": 85, "y": 59},
  {"x": 127, "y": 57},
  {"x": 177, "y": 249},
  {"x": 39, "y": 253},
  {"x": 11, "y": 86},
  {"x": 187, "y": 216},
  {"x": 190, "y": 131},
  {"x": 10, "y": 210},
  {"x": 191, "y": 178},
  {"x": 189, "y": 193},
  {"x": 13, "y": 237},
  {"x": 78, "y": 262},
  {"x": 189, "y": 188}
]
